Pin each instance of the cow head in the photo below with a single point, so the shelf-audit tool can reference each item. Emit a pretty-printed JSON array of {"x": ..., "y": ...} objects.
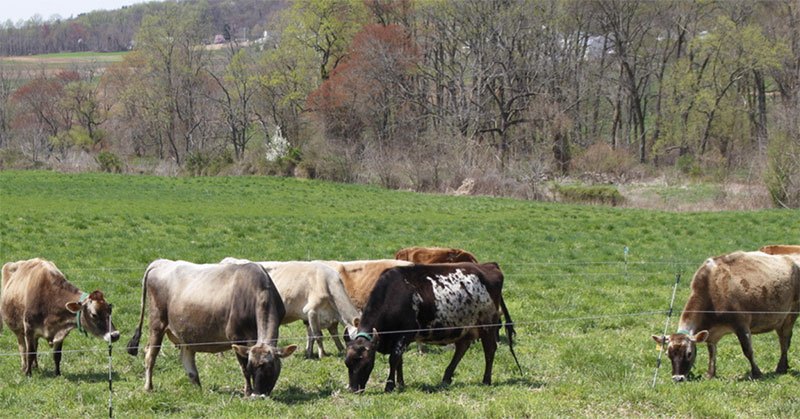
[
  {"x": 93, "y": 315},
  {"x": 263, "y": 364},
  {"x": 360, "y": 359},
  {"x": 682, "y": 351}
]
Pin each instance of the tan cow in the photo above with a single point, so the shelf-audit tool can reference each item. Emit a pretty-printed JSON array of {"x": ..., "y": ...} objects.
[
  {"x": 425, "y": 255},
  {"x": 38, "y": 302},
  {"x": 314, "y": 293},
  {"x": 742, "y": 293},
  {"x": 359, "y": 276}
]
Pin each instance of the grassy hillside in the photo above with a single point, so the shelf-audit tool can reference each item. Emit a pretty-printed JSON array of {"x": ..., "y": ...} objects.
[{"x": 585, "y": 310}]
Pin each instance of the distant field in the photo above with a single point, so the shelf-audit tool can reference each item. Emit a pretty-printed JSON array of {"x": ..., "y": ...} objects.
[
  {"x": 65, "y": 60},
  {"x": 584, "y": 308}
]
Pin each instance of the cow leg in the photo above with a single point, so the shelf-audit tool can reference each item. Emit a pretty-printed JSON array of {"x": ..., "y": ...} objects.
[
  {"x": 57, "y": 355},
  {"x": 31, "y": 343},
  {"x": 333, "y": 330},
  {"x": 315, "y": 335},
  {"x": 395, "y": 365},
  {"x": 461, "y": 348},
  {"x": 157, "y": 329},
  {"x": 712, "y": 360},
  {"x": 23, "y": 351},
  {"x": 189, "y": 365},
  {"x": 785, "y": 339},
  {"x": 489, "y": 341},
  {"x": 248, "y": 388},
  {"x": 747, "y": 349},
  {"x": 309, "y": 341}
]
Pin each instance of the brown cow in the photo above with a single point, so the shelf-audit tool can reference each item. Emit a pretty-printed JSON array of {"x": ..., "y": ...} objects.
[
  {"x": 427, "y": 255},
  {"x": 781, "y": 249},
  {"x": 38, "y": 302},
  {"x": 211, "y": 308},
  {"x": 743, "y": 293}
]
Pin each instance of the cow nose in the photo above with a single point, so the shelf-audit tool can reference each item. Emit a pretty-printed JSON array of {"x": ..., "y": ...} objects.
[
  {"x": 678, "y": 378},
  {"x": 111, "y": 337}
]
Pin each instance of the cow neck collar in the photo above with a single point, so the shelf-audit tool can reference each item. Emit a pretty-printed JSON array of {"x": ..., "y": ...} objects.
[
  {"x": 364, "y": 335},
  {"x": 78, "y": 314},
  {"x": 682, "y": 332}
]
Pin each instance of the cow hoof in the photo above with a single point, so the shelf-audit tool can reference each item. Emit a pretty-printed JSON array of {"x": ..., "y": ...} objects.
[{"x": 756, "y": 375}]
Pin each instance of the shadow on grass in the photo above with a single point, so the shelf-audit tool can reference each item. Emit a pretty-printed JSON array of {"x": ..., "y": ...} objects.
[
  {"x": 517, "y": 381},
  {"x": 292, "y": 395},
  {"x": 88, "y": 377}
]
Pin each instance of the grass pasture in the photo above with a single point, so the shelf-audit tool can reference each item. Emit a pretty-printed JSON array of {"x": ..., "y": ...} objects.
[{"x": 584, "y": 309}]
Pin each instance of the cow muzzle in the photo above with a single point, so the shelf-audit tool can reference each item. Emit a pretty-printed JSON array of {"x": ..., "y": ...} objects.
[
  {"x": 678, "y": 378},
  {"x": 111, "y": 336}
]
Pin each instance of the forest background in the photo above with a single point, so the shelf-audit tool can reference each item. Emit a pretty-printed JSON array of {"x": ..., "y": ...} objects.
[{"x": 536, "y": 99}]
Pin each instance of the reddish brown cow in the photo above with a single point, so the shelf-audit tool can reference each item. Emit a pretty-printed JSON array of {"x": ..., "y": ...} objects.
[
  {"x": 781, "y": 249},
  {"x": 743, "y": 293},
  {"x": 425, "y": 255},
  {"x": 38, "y": 302}
]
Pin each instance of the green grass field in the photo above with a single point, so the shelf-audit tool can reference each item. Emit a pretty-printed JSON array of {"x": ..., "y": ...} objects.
[{"x": 584, "y": 311}]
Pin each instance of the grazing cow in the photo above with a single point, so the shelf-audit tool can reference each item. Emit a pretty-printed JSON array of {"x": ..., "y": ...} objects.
[
  {"x": 426, "y": 255},
  {"x": 440, "y": 304},
  {"x": 38, "y": 302},
  {"x": 743, "y": 293},
  {"x": 213, "y": 308},
  {"x": 781, "y": 249},
  {"x": 312, "y": 292}
]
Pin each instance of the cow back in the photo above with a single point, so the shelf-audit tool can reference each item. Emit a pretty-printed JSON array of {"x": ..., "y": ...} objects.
[
  {"x": 429, "y": 255},
  {"x": 755, "y": 286}
]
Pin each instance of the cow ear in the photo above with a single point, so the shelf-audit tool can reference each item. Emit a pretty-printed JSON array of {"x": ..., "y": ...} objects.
[
  {"x": 286, "y": 351},
  {"x": 241, "y": 350},
  {"x": 661, "y": 339},
  {"x": 73, "y": 307},
  {"x": 701, "y": 336}
]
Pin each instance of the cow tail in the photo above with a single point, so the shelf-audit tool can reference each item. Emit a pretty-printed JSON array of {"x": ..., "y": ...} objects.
[
  {"x": 510, "y": 332},
  {"x": 133, "y": 344}
]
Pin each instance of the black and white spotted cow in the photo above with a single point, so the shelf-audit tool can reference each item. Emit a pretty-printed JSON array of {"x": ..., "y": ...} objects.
[{"x": 439, "y": 304}]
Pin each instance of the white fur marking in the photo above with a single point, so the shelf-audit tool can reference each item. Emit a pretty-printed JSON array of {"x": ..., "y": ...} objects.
[
  {"x": 461, "y": 300},
  {"x": 710, "y": 263}
]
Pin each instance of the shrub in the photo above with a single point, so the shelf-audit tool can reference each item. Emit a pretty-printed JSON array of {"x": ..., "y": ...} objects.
[
  {"x": 783, "y": 174},
  {"x": 604, "y": 194},
  {"x": 601, "y": 158},
  {"x": 109, "y": 162}
]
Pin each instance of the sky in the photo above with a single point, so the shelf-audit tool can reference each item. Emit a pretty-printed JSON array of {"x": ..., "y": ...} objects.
[{"x": 17, "y": 10}]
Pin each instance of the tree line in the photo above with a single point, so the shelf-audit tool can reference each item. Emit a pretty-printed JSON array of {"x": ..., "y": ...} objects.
[{"x": 425, "y": 94}]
